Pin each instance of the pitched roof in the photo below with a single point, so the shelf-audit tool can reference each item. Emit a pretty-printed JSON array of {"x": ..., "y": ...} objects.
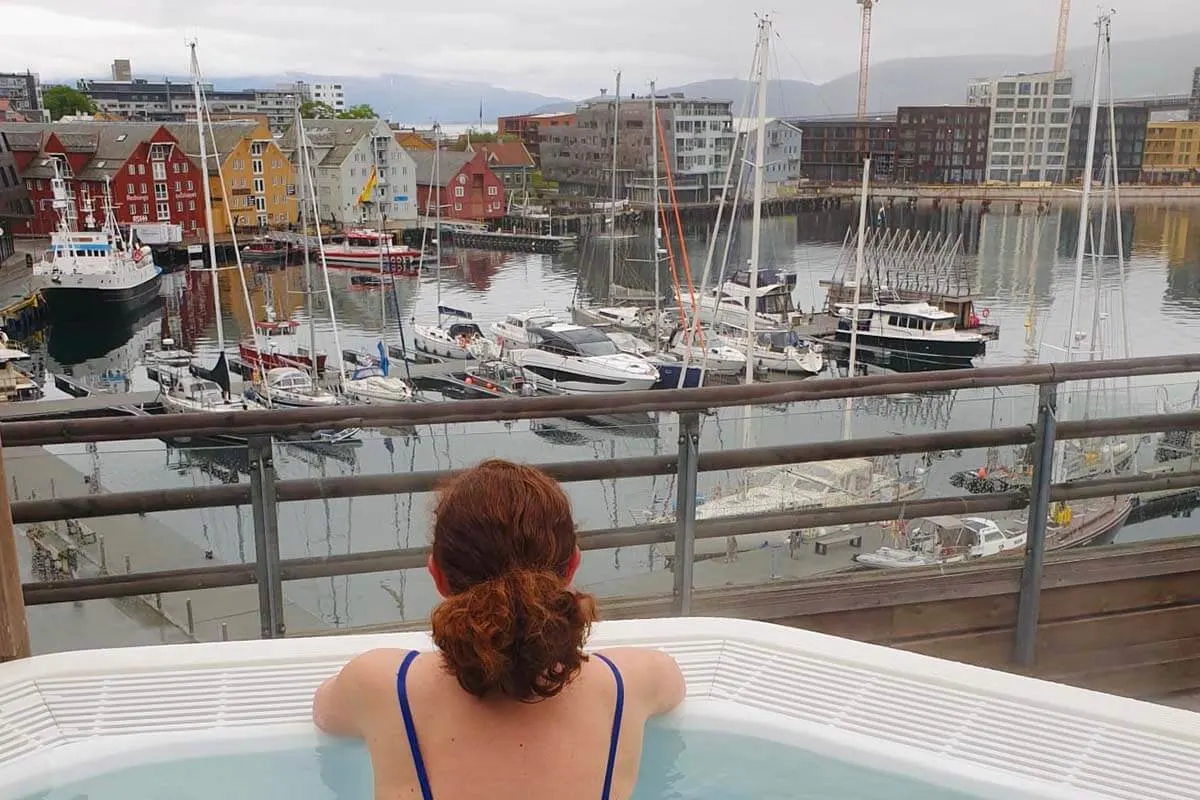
[
  {"x": 7, "y": 112},
  {"x": 226, "y": 134},
  {"x": 505, "y": 154},
  {"x": 451, "y": 163},
  {"x": 340, "y": 136},
  {"x": 109, "y": 143}
]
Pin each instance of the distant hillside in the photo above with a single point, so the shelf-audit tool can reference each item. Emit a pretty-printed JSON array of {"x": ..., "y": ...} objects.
[{"x": 1146, "y": 67}]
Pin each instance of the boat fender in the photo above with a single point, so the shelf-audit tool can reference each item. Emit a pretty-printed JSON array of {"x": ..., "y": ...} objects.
[
  {"x": 985, "y": 313},
  {"x": 137, "y": 256}
]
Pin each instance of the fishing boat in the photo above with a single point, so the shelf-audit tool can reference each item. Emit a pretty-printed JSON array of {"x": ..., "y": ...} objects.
[
  {"x": 265, "y": 253},
  {"x": 581, "y": 360},
  {"x": 94, "y": 273},
  {"x": 364, "y": 248}
]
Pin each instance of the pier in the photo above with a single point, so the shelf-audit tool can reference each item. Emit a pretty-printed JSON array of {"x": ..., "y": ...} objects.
[{"x": 1121, "y": 619}]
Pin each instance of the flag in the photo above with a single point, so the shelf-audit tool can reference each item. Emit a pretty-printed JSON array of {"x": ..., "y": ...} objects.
[
  {"x": 383, "y": 359},
  {"x": 368, "y": 189}
]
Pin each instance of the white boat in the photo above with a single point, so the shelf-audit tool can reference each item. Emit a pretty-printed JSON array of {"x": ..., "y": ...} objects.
[
  {"x": 918, "y": 331},
  {"x": 512, "y": 332},
  {"x": 945, "y": 540},
  {"x": 186, "y": 394},
  {"x": 776, "y": 349},
  {"x": 581, "y": 360},
  {"x": 364, "y": 248},
  {"x": 288, "y": 387},
  {"x": 457, "y": 340},
  {"x": 631, "y": 318},
  {"x": 731, "y": 302},
  {"x": 717, "y": 357},
  {"x": 166, "y": 355},
  {"x": 93, "y": 273},
  {"x": 372, "y": 386}
]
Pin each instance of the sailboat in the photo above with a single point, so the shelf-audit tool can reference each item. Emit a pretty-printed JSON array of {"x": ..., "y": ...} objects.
[{"x": 461, "y": 340}]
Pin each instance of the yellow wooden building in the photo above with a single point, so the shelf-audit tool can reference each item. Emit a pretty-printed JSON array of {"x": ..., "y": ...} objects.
[
  {"x": 259, "y": 179},
  {"x": 1172, "y": 151}
]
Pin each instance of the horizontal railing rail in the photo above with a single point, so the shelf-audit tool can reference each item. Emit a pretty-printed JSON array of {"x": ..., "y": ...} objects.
[{"x": 261, "y": 423}]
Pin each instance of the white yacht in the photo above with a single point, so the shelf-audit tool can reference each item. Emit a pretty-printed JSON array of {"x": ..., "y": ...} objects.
[
  {"x": 93, "y": 273},
  {"x": 945, "y": 540},
  {"x": 717, "y": 357},
  {"x": 288, "y": 387},
  {"x": 731, "y": 303},
  {"x": 513, "y": 332},
  {"x": 580, "y": 360},
  {"x": 458, "y": 340},
  {"x": 919, "y": 331},
  {"x": 776, "y": 349},
  {"x": 632, "y": 318}
]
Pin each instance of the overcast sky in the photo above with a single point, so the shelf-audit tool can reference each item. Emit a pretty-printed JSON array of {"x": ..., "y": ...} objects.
[{"x": 554, "y": 47}]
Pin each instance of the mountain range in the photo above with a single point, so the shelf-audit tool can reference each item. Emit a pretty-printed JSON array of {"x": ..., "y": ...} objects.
[{"x": 1143, "y": 67}]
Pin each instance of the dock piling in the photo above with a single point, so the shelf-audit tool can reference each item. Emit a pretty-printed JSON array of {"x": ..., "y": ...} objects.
[
  {"x": 264, "y": 510},
  {"x": 224, "y": 631},
  {"x": 14, "y": 627},
  {"x": 1028, "y": 604},
  {"x": 191, "y": 618},
  {"x": 685, "y": 510},
  {"x": 103, "y": 555}
]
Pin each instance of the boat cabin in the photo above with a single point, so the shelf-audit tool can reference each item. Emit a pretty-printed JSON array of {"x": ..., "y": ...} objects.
[
  {"x": 774, "y": 292},
  {"x": 289, "y": 379},
  {"x": 198, "y": 390},
  {"x": 954, "y": 537},
  {"x": 913, "y": 317},
  {"x": 362, "y": 237},
  {"x": 574, "y": 341}
]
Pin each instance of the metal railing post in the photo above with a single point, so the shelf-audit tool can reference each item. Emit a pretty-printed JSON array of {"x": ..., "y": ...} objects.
[
  {"x": 14, "y": 627},
  {"x": 1025, "y": 648},
  {"x": 685, "y": 510},
  {"x": 264, "y": 509}
]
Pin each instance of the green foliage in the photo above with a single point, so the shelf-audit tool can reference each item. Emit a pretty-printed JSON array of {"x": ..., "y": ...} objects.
[
  {"x": 62, "y": 101},
  {"x": 539, "y": 184},
  {"x": 314, "y": 109},
  {"x": 360, "y": 111}
]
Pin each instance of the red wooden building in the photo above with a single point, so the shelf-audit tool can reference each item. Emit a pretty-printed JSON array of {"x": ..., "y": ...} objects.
[
  {"x": 470, "y": 190},
  {"x": 150, "y": 177}
]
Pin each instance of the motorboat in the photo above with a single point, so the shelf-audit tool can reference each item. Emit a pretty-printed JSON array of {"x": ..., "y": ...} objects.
[
  {"x": 716, "y": 356},
  {"x": 458, "y": 340},
  {"x": 577, "y": 359},
  {"x": 512, "y": 332},
  {"x": 919, "y": 331},
  {"x": 364, "y": 248},
  {"x": 776, "y": 349},
  {"x": 288, "y": 387},
  {"x": 945, "y": 540},
  {"x": 265, "y": 253},
  {"x": 632, "y": 318}
]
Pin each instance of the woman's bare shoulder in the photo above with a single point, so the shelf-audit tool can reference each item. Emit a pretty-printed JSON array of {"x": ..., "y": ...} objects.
[{"x": 652, "y": 676}]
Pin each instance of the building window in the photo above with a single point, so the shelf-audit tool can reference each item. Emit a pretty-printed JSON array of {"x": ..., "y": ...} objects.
[
  {"x": 129, "y": 191},
  {"x": 164, "y": 212},
  {"x": 143, "y": 187},
  {"x": 259, "y": 186},
  {"x": 256, "y": 166},
  {"x": 492, "y": 191},
  {"x": 141, "y": 169},
  {"x": 458, "y": 206},
  {"x": 179, "y": 206},
  {"x": 190, "y": 187},
  {"x": 160, "y": 191},
  {"x": 132, "y": 169},
  {"x": 183, "y": 167},
  {"x": 191, "y": 205},
  {"x": 160, "y": 152},
  {"x": 458, "y": 191},
  {"x": 145, "y": 209},
  {"x": 178, "y": 186}
]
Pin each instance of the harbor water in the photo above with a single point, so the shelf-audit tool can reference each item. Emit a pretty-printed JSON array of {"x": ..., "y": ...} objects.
[{"x": 1021, "y": 265}]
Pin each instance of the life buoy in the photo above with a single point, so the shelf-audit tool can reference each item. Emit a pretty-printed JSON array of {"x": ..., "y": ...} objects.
[
  {"x": 137, "y": 256},
  {"x": 985, "y": 313}
]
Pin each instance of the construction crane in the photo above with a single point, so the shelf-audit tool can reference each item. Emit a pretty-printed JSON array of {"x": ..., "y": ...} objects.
[
  {"x": 864, "y": 55},
  {"x": 1060, "y": 51}
]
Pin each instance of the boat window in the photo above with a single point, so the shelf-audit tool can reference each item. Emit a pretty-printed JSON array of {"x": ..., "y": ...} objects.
[{"x": 597, "y": 348}]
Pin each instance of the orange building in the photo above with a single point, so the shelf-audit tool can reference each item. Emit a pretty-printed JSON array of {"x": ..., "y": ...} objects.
[{"x": 411, "y": 139}]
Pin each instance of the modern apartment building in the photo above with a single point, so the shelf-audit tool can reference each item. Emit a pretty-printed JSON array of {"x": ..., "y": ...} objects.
[
  {"x": 833, "y": 149},
  {"x": 531, "y": 128},
  {"x": 698, "y": 133},
  {"x": 163, "y": 101},
  {"x": 1172, "y": 153},
  {"x": 942, "y": 144},
  {"x": 1131, "y": 142},
  {"x": 781, "y": 161},
  {"x": 331, "y": 94},
  {"x": 1030, "y": 125},
  {"x": 1194, "y": 101},
  {"x": 23, "y": 90}
]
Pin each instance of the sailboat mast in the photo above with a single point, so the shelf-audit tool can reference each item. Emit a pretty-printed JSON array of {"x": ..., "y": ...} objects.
[
  {"x": 1084, "y": 202},
  {"x": 858, "y": 273},
  {"x": 208, "y": 214},
  {"x": 437, "y": 225},
  {"x": 1116, "y": 186},
  {"x": 760, "y": 145},
  {"x": 657, "y": 239},
  {"x": 612, "y": 247},
  {"x": 306, "y": 176}
]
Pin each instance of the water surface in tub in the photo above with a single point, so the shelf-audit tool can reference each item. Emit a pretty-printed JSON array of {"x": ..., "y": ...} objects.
[{"x": 689, "y": 764}]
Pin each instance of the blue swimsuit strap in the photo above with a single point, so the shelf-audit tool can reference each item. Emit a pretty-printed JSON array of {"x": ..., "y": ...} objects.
[
  {"x": 415, "y": 748},
  {"x": 410, "y": 729},
  {"x": 616, "y": 728}
]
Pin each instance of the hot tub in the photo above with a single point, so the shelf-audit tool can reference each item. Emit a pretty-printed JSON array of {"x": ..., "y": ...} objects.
[{"x": 771, "y": 712}]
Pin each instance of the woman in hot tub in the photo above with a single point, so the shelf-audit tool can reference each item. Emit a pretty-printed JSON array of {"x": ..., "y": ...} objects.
[{"x": 509, "y": 707}]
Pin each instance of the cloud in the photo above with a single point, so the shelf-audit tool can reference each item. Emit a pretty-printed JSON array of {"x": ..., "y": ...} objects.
[{"x": 547, "y": 46}]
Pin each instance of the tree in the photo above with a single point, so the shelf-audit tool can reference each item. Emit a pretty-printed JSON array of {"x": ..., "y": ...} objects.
[
  {"x": 360, "y": 111},
  {"x": 63, "y": 101},
  {"x": 314, "y": 109}
]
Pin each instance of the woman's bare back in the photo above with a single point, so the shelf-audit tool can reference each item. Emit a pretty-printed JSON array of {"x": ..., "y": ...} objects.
[{"x": 499, "y": 748}]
